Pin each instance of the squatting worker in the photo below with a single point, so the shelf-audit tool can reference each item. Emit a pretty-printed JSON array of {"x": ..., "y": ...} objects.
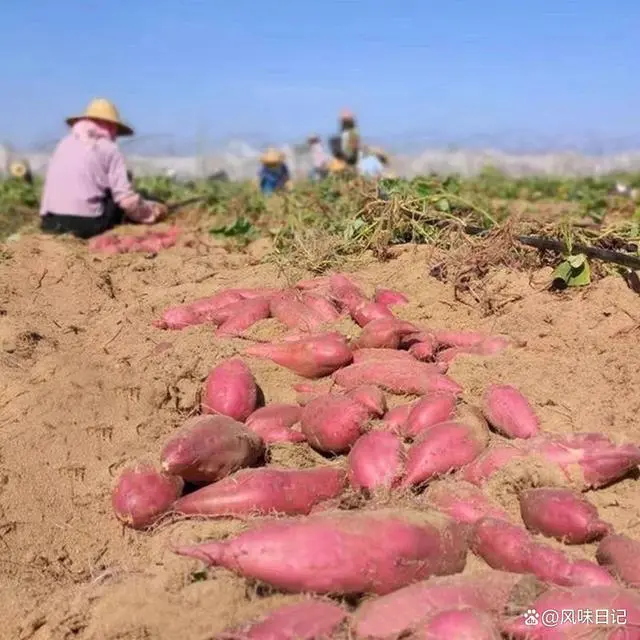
[
  {"x": 274, "y": 174},
  {"x": 87, "y": 190}
]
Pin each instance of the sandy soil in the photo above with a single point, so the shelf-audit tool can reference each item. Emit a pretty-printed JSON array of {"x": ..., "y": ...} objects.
[{"x": 87, "y": 385}]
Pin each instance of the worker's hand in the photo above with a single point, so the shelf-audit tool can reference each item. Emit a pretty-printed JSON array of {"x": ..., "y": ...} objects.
[
  {"x": 288, "y": 185},
  {"x": 159, "y": 211}
]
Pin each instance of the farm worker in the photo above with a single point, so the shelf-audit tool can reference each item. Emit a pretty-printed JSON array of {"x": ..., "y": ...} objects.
[
  {"x": 87, "y": 190},
  {"x": 373, "y": 164},
  {"x": 20, "y": 170},
  {"x": 349, "y": 138},
  {"x": 319, "y": 158},
  {"x": 274, "y": 173}
]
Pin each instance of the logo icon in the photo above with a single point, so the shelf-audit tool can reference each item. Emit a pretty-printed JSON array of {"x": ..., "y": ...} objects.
[{"x": 531, "y": 617}]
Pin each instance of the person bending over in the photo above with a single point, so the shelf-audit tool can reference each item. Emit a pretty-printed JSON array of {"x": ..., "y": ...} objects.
[{"x": 87, "y": 190}]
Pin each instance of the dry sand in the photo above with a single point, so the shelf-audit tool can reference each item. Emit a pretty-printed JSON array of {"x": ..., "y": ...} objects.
[{"x": 87, "y": 385}]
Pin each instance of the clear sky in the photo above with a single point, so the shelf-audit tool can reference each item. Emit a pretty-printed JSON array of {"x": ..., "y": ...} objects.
[{"x": 285, "y": 67}]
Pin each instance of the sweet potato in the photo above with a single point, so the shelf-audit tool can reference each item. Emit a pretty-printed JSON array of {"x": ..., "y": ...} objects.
[
  {"x": 491, "y": 461},
  {"x": 376, "y": 461},
  {"x": 410, "y": 378},
  {"x": 143, "y": 494},
  {"x": 370, "y": 311},
  {"x": 196, "y": 312},
  {"x": 315, "y": 356},
  {"x": 621, "y": 556},
  {"x": 508, "y": 547},
  {"x": 348, "y": 295},
  {"x": 342, "y": 552},
  {"x": 370, "y": 397},
  {"x": 246, "y": 314},
  {"x": 307, "y": 620},
  {"x": 230, "y": 390},
  {"x": 389, "y": 297},
  {"x": 463, "y": 623},
  {"x": 273, "y": 423},
  {"x": 509, "y": 412},
  {"x": 288, "y": 307},
  {"x": 332, "y": 423},
  {"x": 591, "y": 612},
  {"x": 309, "y": 284},
  {"x": 253, "y": 492},
  {"x": 599, "y": 460},
  {"x": 488, "y": 347},
  {"x": 211, "y": 447},
  {"x": 428, "y": 412},
  {"x": 391, "y": 616},
  {"x": 395, "y": 419},
  {"x": 322, "y": 306},
  {"x": 445, "y": 447},
  {"x": 424, "y": 352},
  {"x": 562, "y": 514},
  {"x": 462, "y": 501},
  {"x": 383, "y": 333}
]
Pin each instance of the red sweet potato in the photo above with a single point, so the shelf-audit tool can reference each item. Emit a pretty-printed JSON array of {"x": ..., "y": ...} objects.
[
  {"x": 463, "y": 623},
  {"x": 509, "y": 412},
  {"x": 491, "y": 461},
  {"x": 383, "y": 333},
  {"x": 309, "y": 284},
  {"x": 428, "y": 412},
  {"x": 253, "y": 492},
  {"x": 488, "y": 347},
  {"x": 395, "y": 419},
  {"x": 313, "y": 357},
  {"x": 143, "y": 494},
  {"x": 196, "y": 312},
  {"x": 370, "y": 311},
  {"x": 332, "y": 423},
  {"x": 508, "y": 547},
  {"x": 462, "y": 501},
  {"x": 411, "y": 378},
  {"x": 376, "y": 461},
  {"x": 424, "y": 352},
  {"x": 342, "y": 552},
  {"x": 307, "y": 620},
  {"x": 348, "y": 295},
  {"x": 579, "y": 612},
  {"x": 273, "y": 423},
  {"x": 288, "y": 307},
  {"x": 562, "y": 514},
  {"x": 322, "y": 306},
  {"x": 621, "y": 556},
  {"x": 391, "y": 616},
  {"x": 370, "y": 397},
  {"x": 389, "y": 297},
  {"x": 211, "y": 447},
  {"x": 599, "y": 461},
  {"x": 246, "y": 314},
  {"x": 445, "y": 447},
  {"x": 230, "y": 390}
]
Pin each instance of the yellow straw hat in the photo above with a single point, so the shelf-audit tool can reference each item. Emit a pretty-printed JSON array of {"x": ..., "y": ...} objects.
[
  {"x": 336, "y": 165},
  {"x": 272, "y": 156},
  {"x": 102, "y": 109},
  {"x": 18, "y": 169}
]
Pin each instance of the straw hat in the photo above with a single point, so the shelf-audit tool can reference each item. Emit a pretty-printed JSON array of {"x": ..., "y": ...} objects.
[
  {"x": 336, "y": 165},
  {"x": 272, "y": 156},
  {"x": 346, "y": 115},
  {"x": 18, "y": 169},
  {"x": 314, "y": 137},
  {"x": 102, "y": 109}
]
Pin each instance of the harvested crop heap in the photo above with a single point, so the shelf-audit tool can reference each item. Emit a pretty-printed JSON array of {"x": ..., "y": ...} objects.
[
  {"x": 434, "y": 453},
  {"x": 147, "y": 242}
]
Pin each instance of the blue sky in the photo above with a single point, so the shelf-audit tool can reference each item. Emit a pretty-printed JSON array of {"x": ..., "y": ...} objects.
[{"x": 453, "y": 68}]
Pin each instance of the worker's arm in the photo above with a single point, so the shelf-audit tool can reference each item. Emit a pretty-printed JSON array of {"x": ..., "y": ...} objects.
[{"x": 134, "y": 205}]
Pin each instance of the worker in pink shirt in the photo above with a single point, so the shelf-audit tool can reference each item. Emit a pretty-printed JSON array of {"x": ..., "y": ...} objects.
[{"x": 87, "y": 190}]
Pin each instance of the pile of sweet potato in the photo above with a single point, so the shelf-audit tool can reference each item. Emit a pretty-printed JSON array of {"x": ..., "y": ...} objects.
[
  {"x": 434, "y": 452},
  {"x": 147, "y": 242}
]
